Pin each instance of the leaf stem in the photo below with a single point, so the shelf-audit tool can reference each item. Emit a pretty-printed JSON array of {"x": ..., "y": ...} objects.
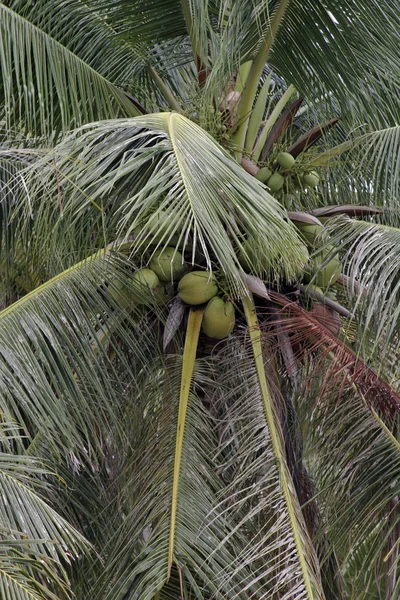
[
  {"x": 250, "y": 88},
  {"x": 166, "y": 92},
  {"x": 270, "y": 122},
  {"x": 188, "y": 362},
  {"x": 276, "y": 442}
]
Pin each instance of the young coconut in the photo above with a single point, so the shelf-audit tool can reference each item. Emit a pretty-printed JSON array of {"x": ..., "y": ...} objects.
[
  {"x": 167, "y": 264},
  {"x": 197, "y": 287},
  {"x": 309, "y": 232},
  {"x": 285, "y": 160},
  {"x": 120, "y": 292},
  {"x": 263, "y": 174},
  {"x": 162, "y": 227},
  {"x": 149, "y": 282},
  {"x": 330, "y": 272},
  {"x": 311, "y": 180},
  {"x": 218, "y": 318},
  {"x": 275, "y": 182}
]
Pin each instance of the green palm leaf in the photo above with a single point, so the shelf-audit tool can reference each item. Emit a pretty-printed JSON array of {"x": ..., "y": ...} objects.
[
  {"x": 56, "y": 376},
  {"x": 160, "y": 493},
  {"x": 47, "y": 73},
  {"x": 36, "y": 543},
  {"x": 358, "y": 485},
  {"x": 302, "y": 559},
  {"x": 165, "y": 162}
]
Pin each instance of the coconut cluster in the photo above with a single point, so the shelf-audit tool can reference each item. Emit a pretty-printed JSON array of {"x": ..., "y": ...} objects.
[
  {"x": 325, "y": 266},
  {"x": 324, "y": 270},
  {"x": 284, "y": 175},
  {"x": 168, "y": 268}
]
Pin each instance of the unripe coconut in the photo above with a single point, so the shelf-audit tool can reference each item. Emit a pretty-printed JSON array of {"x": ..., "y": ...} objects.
[
  {"x": 197, "y": 287},
  {"x": 163, "y": 229},
  {"x": 285, "y": 160},
  {"x": 331, "y": 271},
  {"x": 263, "y": 174},
  {"x": 275, "y": 182},
  {"x": 119, "y": 292},
  {"x": 218, "y": 318},
  {"x": 250, "y": 256},
  {"x": 147, "y": 278},
  {"x": 308, "y": 231},
  {"x": 167, "y": 264},
  {"x": 311, "y": 179}
]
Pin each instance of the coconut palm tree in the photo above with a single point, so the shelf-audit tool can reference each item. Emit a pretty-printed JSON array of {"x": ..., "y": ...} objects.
[{"x": 225, "y": 435}]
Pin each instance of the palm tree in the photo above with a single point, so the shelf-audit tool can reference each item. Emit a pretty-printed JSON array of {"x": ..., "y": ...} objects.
[{"x": 142, "y": 457}]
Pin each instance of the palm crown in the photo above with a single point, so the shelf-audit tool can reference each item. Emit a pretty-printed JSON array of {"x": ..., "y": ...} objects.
[{"x": 235, "y": 437}]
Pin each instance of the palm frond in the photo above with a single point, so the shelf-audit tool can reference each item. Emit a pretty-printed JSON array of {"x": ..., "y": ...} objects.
[
  {"x": 165, "y": 164},
  {"x": 57, "y": 377},
  {"x": 341, "y": 48},
  {"x": 346, "y": 369},
  {"x": 354, "y": 463},
  {"x": 40, "y": 75},
  {"x": 300, "y": 549},
  {"x": 371, "y": 253},
  {"x": 37, "y": 545},
  {"x": 139, "y": 549}
]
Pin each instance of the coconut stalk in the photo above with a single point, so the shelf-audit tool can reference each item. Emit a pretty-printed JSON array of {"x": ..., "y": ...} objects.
[
  {"x": 271, "y": 121},
  {"x": 280, "y": 127},
  {"x": 250, "y": 88},
  {"x": 257, "y": 114},
  {"x": 188, "y": 362},
  {"x": 241, "y": 78},
  {"x": 166, "y": 92}
]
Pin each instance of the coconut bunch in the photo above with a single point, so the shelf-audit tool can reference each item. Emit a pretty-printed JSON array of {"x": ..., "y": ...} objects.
[
  {"x": 167, "y": 276},
  {"x": 282, "y": 169},
  {"x": 284, "y": 175}
]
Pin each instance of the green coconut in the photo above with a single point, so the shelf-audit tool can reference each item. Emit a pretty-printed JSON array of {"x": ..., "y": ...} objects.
[
  {"x": 263, "y": 174},
  {"x": 148, "y": 280},
  {"x": 285, "y": 160},
  {"x": 162, "y": 227},
  {"x": 167, "y": 264},
  {"x": 308, "y": 231},
  {"x": 311, "y": 179},
  {"x": 119, "y": 292},
  {"x": 197, "y": 287},
  {"x": 275, "y": 182},
  {"x": 330, "y": 272},
  {"x": 218, "y": 318}
]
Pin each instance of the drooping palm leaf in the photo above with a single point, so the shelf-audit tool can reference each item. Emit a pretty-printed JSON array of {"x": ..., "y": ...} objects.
[
  {"x": 368, "y": 247},
  {"x": 139, "y": 550},
  {"x": 39, "y": 73},
  {"x": 37, "y": 545},
  {"x": 308, "y": 584},
  {"x": 56, "y": 375},
  {"x": 355, "y": 463},
  {"x": 165, "y": 162}
]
